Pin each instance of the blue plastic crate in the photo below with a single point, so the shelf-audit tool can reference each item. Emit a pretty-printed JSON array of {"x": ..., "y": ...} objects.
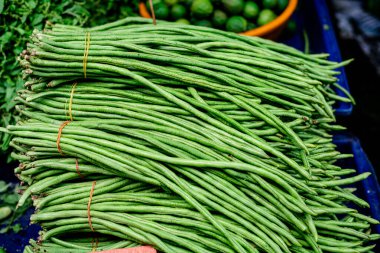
[
  {"x": 368, "y": 190},
  {"x": 313, "y": 17},
  {"x": 16, "y": 242}
]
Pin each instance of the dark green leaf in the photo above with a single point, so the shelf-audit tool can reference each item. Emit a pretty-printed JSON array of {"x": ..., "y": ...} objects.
[
  {"x": 20, "y": 30},
  {"x": 6, "y": 37},
  {"x": 24, "y": 17},
  {"x": 32, "y": 4},
  {"x": 3, "y": 186},
  {"x": 9, "y": 93},
  {"x": 1, "y": 6},
  {"x": 37, "y": 19},
  {"x": 11, "y": 199},
  {"x": 16, "y": 228},
  {"x": 10, "y": 105}
]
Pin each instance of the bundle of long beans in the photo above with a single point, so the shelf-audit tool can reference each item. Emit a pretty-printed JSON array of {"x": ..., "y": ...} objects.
[{"x": 185, "y": 138}]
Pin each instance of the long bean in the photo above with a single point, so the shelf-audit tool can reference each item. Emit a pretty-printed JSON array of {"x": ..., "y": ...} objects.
[{"x": 198, "y": 140}]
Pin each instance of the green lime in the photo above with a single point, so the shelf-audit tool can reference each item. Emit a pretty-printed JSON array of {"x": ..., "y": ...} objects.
[
  {"x": 251, "y": 10},
  {"x": 161, "y": 11},
  {"x": 170, "y": 2},
  {"x": 233, "y": 6},
  {"x": 183, "y": 21},
  {"x": 219, "y": 18},
  {"x": 251, "y": 26},
  {"x": 202, "y": 8},
  {"x": 281, "y": 4},
  {"x": 236, "y": 24},
  {"x": 203, "y": 22},
  {"x": 291, "y": 27},
  {"x": 265, "y": 17},
  {"x": 269, "y": 4},
  {"x": 178, "y": 11}
]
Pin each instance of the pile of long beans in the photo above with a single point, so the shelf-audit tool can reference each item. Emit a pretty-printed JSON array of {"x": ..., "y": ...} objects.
[{"x": 185, "y": 138}]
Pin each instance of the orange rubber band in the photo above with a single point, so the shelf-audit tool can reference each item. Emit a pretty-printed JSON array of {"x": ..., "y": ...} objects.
[
  {"x": 89, "y": 206},
  {"x": 85, "y": 55},
  {"x": 143, "y": 10},
  {"x": 152, "y": 11},
  {"x": 94, "y": 246},
  {"x": 77, "y": 168},
  {"x": 71, "y": 101},
  {"x": 59, "y": 136}
]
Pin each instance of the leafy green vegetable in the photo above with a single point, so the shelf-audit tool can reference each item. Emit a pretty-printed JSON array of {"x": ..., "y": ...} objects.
[
  {"x": 11, "y": 199},
  {"x": 1, "y": 6},
  {"x": 3, "y": 186},
  {"x": 16, "y": 228},
  {"x": 5, "y": 212},
  {"x": 8, "y": 213}
]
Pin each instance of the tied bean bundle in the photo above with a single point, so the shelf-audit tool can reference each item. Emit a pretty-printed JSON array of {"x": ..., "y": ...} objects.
[
  {"x": 185, "y": 138},
  {"x": 17, "y": 21}
]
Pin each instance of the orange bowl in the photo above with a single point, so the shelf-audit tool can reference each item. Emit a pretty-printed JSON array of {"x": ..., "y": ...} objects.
[
  {"x": 270, "y": 31},
  {"x": 273, "y": 29}
]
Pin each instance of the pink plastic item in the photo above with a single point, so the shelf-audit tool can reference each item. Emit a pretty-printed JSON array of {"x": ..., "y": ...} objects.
[{"x": 142, "y": 249}]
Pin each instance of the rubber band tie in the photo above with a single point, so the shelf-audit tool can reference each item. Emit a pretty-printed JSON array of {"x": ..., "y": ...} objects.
[
  {"x": 77, "y": 168},
  {"x": 59, "y": 136},
  {"x": 152, "y": 11},
  {"x": 89, "y": 206},
  {"x": 85, "y": 55},
  {"x": 71, "y": 101},
  {"x": 94, "y": 244}
]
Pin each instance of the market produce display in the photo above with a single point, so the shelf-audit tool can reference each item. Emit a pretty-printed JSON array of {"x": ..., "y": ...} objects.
[
  {"x": 17, "y": 21},
  {"x": 9, "y": 196},
  {"x": 230, "y": 15},
  {"x": 185, "y": 138}
]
